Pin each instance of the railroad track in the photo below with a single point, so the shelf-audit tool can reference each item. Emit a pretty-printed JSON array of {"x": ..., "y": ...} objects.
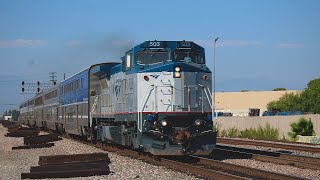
[
  {"x": 243, "y": 171},
  {"x": 221, "y": 152},
  {"x": 203, "y": 167},
  {"x": 296, "y": 147}
]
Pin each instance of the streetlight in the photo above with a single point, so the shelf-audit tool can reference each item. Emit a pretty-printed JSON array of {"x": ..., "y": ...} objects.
[{"x": 214, "y": 76}]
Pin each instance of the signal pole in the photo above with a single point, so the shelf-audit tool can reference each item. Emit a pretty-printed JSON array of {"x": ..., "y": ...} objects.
[
  {"x": 33, "y": 88},
  {"x": 53, "y": 77}
]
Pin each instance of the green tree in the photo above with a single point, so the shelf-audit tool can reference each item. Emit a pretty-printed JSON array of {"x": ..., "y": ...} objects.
[
  {"x": 311, "y": 97},
  {"x": 307, "y": 101},
  {"x": 303, "y": 127},
  {"x": 288, "y": 102},
  {"x": 279, "y": 89}
]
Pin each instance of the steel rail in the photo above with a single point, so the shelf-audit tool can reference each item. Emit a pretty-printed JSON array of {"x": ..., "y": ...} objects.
[
  {"x": 278, "y": 158},
  {"x": 306, "y": 148},
  {"x": 284, "y": 155},
  {"x": 190, "y": 169},
  {"x": 243, "y": 170},
  {"x": 216, "y": 170}
]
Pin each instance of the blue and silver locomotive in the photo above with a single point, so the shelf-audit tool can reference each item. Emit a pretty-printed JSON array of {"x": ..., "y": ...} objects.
[{"x": 157, "y": 100}]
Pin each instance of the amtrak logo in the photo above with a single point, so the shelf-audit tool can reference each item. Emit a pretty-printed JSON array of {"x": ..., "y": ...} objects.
[{"x": 155, "y": 76}]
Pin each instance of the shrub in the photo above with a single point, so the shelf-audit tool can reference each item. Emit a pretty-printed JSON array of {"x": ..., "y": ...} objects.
[
  {"x": 231, "y": 132},
  {"x": 263, "y": 133},
  {"x": 303, "y": 127}
]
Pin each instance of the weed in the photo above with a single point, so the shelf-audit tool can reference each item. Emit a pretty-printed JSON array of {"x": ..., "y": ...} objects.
[{"x": 262, "y": 133}]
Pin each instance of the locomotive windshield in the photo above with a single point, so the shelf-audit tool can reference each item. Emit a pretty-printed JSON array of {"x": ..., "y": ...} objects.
[
  {"x": 188, "y": 56},
  {"x": 151, "y": 57}
]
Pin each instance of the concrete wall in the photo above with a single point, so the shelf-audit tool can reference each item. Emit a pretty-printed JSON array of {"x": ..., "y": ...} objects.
[
  {"x": 280, "y": 122},
  {"x": 240, "y": 102}
]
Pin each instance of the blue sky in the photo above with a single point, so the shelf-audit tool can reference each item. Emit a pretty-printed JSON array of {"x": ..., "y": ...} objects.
[{"x": 262, "y": 45}]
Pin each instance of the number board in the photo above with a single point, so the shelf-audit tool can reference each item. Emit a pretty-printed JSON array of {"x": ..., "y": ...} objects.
[
  {"x": 185, "y": 44},
  {"x": 154, "y": 44}
]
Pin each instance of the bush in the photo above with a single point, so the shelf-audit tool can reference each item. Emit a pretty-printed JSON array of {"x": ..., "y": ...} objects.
[
  {"x": 279, "y": 89},
  {"x": 307, "y": 101},
  {"x": 231, "y": 132},
  {"x": 262, "y": 133},
  {"x": 303, "y": 127}
]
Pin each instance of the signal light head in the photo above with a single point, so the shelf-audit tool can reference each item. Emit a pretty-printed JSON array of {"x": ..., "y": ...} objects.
[
  {"x": 205, "y": 77},
  {"x": 177, "y": 69}
]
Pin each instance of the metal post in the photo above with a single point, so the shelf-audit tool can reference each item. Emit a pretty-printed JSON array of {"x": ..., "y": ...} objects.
[{"x": 214, "y": 77}]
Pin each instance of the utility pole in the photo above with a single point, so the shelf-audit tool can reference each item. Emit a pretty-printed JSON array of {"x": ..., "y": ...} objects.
[{"x": 214, "y": 76}]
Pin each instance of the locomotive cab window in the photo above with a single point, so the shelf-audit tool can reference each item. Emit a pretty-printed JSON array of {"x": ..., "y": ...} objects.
[
  {"x": 188, "y": 56},
  {"x": 152, "y": 57}
]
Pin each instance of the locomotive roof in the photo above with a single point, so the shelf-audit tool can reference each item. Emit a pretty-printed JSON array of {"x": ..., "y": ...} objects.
[{"x": 168, "y": 44}]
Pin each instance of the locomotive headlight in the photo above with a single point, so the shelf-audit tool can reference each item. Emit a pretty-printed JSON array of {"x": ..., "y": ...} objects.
[
  {"x": 164, "y": 123},
  {"x": 177, "y": 74},
  {"x": 198, "y": 122}
]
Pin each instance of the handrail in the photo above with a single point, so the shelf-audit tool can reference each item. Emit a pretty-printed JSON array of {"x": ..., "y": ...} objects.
[
  {"x": 210, "y": 102},
  {"x": 143, "y": 103},
  {"x": 213, "y": 108},
  {"x": 94, "y": 104},
  {"x": 208, "y": 98}
]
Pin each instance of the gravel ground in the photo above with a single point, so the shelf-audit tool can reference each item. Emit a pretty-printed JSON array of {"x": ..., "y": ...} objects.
[
  {"x": 302, "y": 153},
  {"x": 284, "y": 169},
  {"x": 13, "y": 163}
]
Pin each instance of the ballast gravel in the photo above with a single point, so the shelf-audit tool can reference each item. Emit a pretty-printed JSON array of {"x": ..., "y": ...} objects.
[
  {"x": 284, "y": 169},
  {"x": 293, "y": 152},
  {"x": 15, "y": 162}
]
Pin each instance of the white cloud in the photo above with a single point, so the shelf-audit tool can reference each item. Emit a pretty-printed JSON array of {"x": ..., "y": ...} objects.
[
  {"x": 23, "y": 43},
  {"x": 289, "y": 45},
  {"x": 73, "y": 44},
  {"x": 229, "y": 43}
]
